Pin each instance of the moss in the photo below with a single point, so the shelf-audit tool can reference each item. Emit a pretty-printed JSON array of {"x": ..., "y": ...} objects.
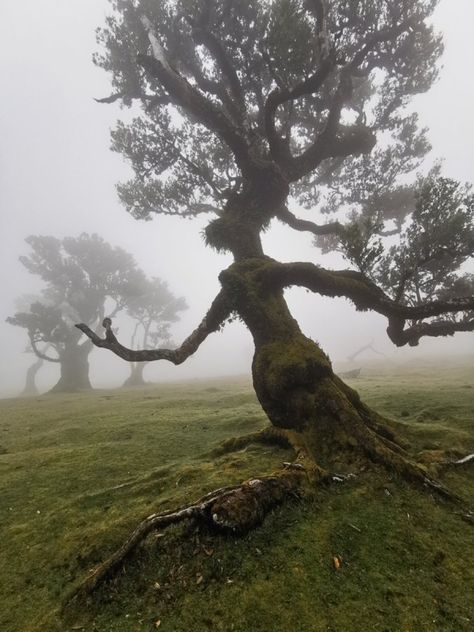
[{"x": 404, "y": 564}]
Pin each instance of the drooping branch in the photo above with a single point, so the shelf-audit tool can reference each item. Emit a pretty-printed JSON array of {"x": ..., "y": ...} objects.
[
  {"x": 412, "y": 335},
  {"x": 186, "y": 96},
  {"x": 219, "y": 311},
  {"x": 366, "y": 295}
]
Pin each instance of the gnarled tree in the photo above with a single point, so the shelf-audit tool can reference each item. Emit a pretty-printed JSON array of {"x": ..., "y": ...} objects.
[
  {"x": 153, "y": 308},
  {"x": 83, "y": 277},
  {"x": 248, "y": 106}
]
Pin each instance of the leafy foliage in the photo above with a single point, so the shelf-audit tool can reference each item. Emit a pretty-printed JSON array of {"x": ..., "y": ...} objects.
[
  {"x": 83, "y": 277},
  {"x": 437, "y": 241},
  {"x": 236, "y": 54},
  {"x": 153, "y": 309},
  {"x": 248, "y": 105}
]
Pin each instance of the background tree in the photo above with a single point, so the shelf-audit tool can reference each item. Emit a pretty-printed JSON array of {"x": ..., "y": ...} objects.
[
  {"x": 250, "y": 106},
  {"x": 154, "y": 308},
  {"x": 83, "y": 277},
  {"x": 30, "y": 389}
]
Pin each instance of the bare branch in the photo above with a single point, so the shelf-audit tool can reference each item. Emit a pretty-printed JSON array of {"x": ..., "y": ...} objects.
[
  {"x": 215, "y": 317},
  {"x": 153, "y": 99}
]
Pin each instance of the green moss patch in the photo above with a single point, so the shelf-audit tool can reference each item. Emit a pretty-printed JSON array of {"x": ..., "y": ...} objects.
[{"x": 77, "y": 473}]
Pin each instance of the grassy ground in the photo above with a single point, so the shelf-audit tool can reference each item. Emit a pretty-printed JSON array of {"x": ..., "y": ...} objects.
[{"x": 78, "y": 471}]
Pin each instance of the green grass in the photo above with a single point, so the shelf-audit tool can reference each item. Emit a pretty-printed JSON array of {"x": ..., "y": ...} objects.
[{"x": 77, "y": 472}]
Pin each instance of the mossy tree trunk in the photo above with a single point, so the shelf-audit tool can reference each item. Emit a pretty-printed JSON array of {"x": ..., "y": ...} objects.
[
  {"x": 310, "y": 408},
  {"x": 293, "y": 377}
]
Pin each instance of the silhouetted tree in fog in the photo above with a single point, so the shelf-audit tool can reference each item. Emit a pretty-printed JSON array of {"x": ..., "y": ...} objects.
[
  {"x": 85, "y": 278},
  {"x": 153, "y": 308}
]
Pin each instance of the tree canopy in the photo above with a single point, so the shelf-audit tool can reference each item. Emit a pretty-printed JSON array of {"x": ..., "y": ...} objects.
[
  {"x": 80, "y": 274},
  {"x": 86, "y": 279},
  {"x": 250, "y": 107}
]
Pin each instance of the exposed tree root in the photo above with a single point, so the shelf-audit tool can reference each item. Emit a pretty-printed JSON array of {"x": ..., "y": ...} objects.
[
  {"x": 240, "y": 508},
  {"x": 282, "y": 438},
  {"x": 235, "y": 509}
]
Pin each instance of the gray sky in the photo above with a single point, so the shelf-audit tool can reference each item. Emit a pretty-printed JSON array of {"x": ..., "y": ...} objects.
[{"x": 57, "y": 177}]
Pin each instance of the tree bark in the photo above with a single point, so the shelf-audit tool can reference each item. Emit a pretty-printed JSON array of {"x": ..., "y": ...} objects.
[
  {"x": 74, "y": 363},
  {"x": 294, "y": 380},
  {"x": 310, "y": 408},
  {"x": 30, "y": 389}
]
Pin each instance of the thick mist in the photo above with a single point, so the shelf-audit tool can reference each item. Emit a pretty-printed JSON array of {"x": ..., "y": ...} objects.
[{"x": 58, "y": 176}]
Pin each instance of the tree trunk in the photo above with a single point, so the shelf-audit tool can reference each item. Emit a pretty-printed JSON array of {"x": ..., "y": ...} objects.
[
  {"x": 136, "y": 375},
  {"x": 74, "y": 361},
  {"x": 294, "y": 380},
  {"x": 30, "y": 389}
]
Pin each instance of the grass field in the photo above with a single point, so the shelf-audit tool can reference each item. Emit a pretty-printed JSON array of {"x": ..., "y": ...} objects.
[{"x": 78, "y": 471}]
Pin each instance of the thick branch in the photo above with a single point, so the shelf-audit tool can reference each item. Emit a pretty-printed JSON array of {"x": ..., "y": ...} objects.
[
  {"x": 187, "y": 97},
  {"x": 335, "y": 140},
  {"x": 40, "y": 354},
  {"x": 203, "y": 36},
  {"x": 217, "y": 314},
  {"x": 367, "y": 295},
  {"x": 378, "y": 38},
  {"x": 320, "y": 11},
  {"x": 332, "y": 228},
  {"x": 412, "y": 335},
  {"x": 277, "y": 97}
]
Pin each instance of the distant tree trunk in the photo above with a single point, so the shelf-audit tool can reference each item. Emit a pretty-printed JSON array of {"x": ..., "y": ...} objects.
[
  {"x": 136, "y": 374},
  {"x": 366, "y": 347},
  {"x": 30, "y": 389},
  {"x": 74, "y": 362}
]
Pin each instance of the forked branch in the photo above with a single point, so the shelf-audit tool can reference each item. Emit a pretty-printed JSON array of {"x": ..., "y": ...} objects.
[
  {"x": 219, "y": 311},
  {"x": 183, "y": 94}
]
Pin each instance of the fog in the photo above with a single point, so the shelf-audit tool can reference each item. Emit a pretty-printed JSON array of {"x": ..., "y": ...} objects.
[{"x": 58, "y": 178}]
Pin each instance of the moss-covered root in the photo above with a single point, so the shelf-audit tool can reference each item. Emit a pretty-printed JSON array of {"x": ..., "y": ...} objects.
[
  {"x": 236, "y": 509},
  {"x": 378, "y": 450}
]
